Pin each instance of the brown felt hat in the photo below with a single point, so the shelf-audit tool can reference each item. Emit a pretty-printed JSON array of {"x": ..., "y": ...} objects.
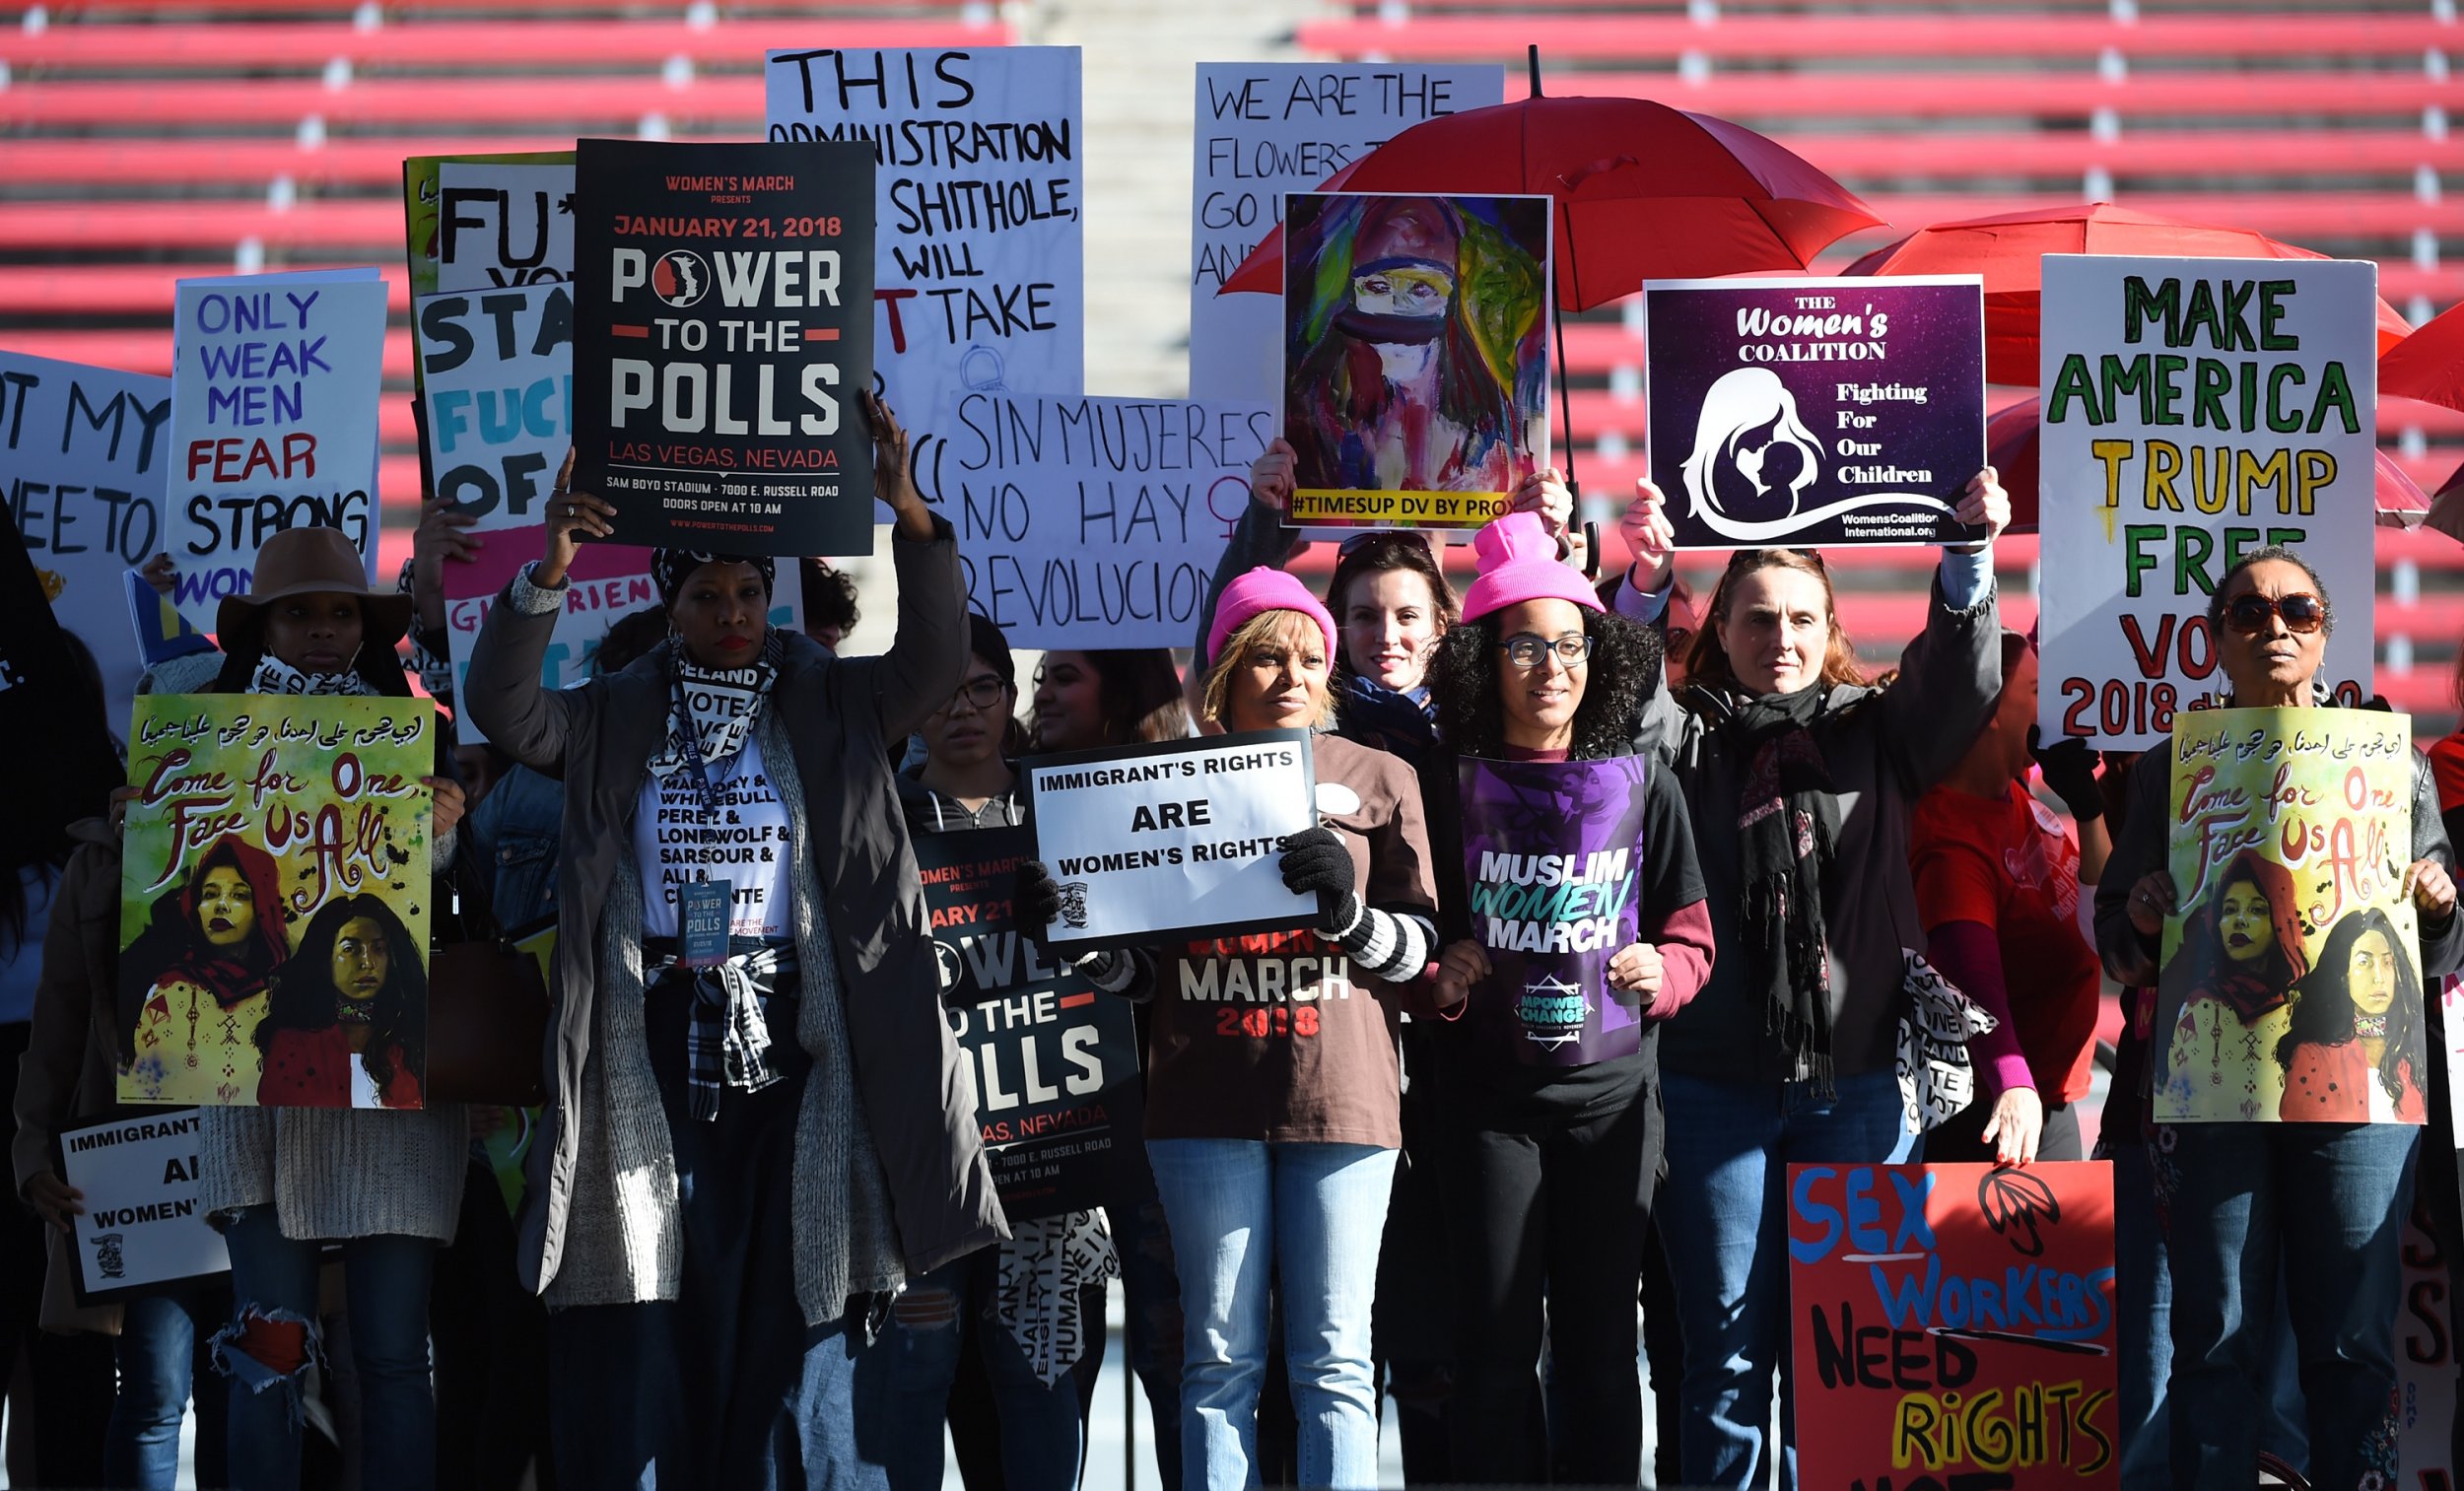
[{"x": 313, "y": 562}]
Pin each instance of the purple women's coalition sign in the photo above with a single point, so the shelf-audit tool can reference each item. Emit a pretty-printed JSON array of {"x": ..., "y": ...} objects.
[
  {"x": 1553, "y": 853},
  {"x": 1812, "y": 411}
]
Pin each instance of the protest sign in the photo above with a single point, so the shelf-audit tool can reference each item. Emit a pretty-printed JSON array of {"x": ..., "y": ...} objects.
[
  {"x": 2450, "y": 996},
  {"x": 2291, "y": 988},
  {"x": 497, "y": 381},
  {"x": 1814, "y": 412},
  {"x": 1952, "y": 1325},
  {"x": 86, "y": 453},
  {"x": 1416, "y": 356},
  {"x": 1092, "y": 522},
  {"x": 1267, "y": 128},
  {"x": 2195, "y": 410},
  {"x": 981, "y": 269},
  {"x": 488, "y": 222},
  {"x": 161, "y": 631},
  {"x": 1175, "y": 840},
  {"x": 2428, "y": 1380},
  {"x": 1052, "y": 1062},
  {"x": 274, "y": 385},
  {"x": 274, "y": 874},
  {"x": 142, "y": 1230},
  {"x": 605, "y": 583},
  {"x": 1553, "y": 854},
  {"x": 718, "y": 387}
]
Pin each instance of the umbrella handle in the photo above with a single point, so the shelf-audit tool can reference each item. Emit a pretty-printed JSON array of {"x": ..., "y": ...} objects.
[{"x": 1565, "y": 404}]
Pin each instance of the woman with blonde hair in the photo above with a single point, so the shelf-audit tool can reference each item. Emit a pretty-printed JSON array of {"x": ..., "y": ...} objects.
[{"x": 1272, "y": 1125}]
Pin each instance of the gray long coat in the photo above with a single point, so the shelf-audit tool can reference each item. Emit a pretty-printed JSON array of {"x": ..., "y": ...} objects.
[{"x": 840, "y": 714}]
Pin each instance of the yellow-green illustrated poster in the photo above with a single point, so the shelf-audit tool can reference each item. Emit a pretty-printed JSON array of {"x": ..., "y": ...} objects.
[
  {"x": 2291, "y": 984},
  {"x": 274, "y": 902}
]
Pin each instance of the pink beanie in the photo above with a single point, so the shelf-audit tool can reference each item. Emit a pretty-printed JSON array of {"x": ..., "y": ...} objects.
[
  {"x": 1519, "y": 563},
  {"x": 1264, "y": 589}
]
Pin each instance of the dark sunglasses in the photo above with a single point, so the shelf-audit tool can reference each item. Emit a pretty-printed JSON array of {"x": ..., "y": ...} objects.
[{"x": 2301, "y": 613}]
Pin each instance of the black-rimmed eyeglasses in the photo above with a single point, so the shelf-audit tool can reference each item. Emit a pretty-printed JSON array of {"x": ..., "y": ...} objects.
[
  {"x": 1525, "y": 651},
  {"x": 978, "y": 693}
]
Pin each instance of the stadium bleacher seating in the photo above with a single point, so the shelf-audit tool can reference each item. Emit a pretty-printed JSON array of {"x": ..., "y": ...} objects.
[
  {"x": 2324, "y": 125},
  {"x": 145, "y": 139},
  {"x": 142, "y": 140}
]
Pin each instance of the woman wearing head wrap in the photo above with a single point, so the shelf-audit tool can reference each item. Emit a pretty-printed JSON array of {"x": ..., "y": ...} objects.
[
  {"x": 210, "y": 947},
  {"x": 756, "y": 1130},
  {"x": 2240, "y": 954}
]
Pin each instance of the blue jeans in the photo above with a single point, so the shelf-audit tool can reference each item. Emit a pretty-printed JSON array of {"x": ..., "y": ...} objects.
[
  {"x": 1723, "y": 1221},
  {"x": 1151, "y": 1295},
  {"x": 2318, "y": 1208},
  {"x": 917, "y": 1359},
  {"x": 1310, "y": 1216},
  {"x": 2143, "y": 1307},
  {"x": 156, "y": 1353},
  {"x": 273, "y": 1283},
  {"x": 724, "y": 1386}
]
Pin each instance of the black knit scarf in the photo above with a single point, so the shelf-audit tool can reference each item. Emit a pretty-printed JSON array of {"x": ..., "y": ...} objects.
[{"x": 1787, "y": 826}]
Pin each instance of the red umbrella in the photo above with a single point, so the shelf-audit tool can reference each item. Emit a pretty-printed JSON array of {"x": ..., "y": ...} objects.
[
  {"x": 2005, "y": 250},
  {"x": 1647, "y": 191},
  {"x": 2429, "y": 363},
  {"x": 2010, "y": 450}
]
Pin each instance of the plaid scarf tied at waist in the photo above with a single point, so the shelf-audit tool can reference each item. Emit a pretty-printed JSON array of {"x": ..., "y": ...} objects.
[{"x": 727, "y": 1037}]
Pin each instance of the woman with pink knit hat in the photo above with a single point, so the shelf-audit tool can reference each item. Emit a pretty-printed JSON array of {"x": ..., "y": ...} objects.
[
  {"x": 1273, "y": 1086},
  {"x": 1552, "y": 1134}
]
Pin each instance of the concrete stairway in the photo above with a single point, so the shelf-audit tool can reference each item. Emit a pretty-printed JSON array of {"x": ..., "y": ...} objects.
[{"x": 1140, "y": 71}]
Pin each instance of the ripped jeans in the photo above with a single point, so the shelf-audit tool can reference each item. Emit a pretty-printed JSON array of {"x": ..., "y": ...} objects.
[{"x": 274, "y": 1334}]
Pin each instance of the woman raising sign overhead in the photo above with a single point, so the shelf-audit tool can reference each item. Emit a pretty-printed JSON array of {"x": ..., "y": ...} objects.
[{"x": 756, "y": 1130}]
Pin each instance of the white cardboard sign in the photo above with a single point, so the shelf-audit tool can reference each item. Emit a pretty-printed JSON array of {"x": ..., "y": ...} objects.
[
  {"x": 497, "y": 378},
  {"x": 2195, "y": 410},
  {"x": 1267, "y": 128},
  {"x": 1091, "y": 522},
  {"x": 83, "y": 453},
  {"x": 274, "y": 387},
  {"x": 1159, "y": 843},
  {"x": 143, "y": 1227},
  {"x": 980, "y": 271}
]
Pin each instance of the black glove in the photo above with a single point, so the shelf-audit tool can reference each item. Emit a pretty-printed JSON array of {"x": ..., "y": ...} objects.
[
  {"x": 1314, "y": 861},
  {"x": 2070, "y": 769},
  {"x": 1036, "y": 900}
]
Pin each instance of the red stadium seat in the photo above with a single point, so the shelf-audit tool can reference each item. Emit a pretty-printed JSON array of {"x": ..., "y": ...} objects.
[{"x": 1912, "y": 33}]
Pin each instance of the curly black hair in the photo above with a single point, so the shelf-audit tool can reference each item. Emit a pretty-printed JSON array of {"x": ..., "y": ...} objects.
[{"x": 1624, "y": 667}]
